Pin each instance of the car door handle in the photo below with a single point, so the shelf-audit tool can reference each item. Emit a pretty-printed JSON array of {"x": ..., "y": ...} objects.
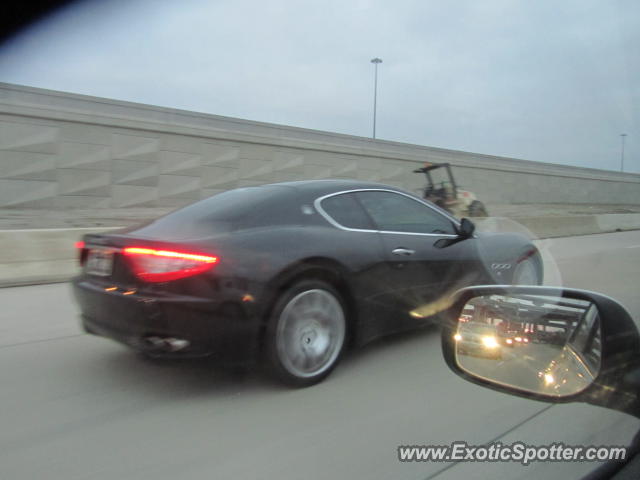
[{"x": 403, "y": 251}]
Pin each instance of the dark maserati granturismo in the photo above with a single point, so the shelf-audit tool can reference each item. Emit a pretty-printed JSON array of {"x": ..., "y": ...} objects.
[{"x": 289, "y": 274}]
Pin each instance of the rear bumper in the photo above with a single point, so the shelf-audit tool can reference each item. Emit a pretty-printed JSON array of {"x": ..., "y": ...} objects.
[{"x": 225, "y": 327}]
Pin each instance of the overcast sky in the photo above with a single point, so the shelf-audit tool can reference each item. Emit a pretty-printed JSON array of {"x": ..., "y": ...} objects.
[{"x": 552, "y": 81}]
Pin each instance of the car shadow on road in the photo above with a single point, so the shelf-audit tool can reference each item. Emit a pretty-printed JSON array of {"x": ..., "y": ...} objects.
[
  {"x": 180, "y": 378},
  {"x": 393, "y": 344}
]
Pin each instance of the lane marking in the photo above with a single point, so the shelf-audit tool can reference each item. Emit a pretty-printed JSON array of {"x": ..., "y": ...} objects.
[{"x": 42, "y": 340}]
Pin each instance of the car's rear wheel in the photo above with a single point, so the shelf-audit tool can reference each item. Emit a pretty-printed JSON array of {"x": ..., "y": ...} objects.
[{"x": 306, "y": 333}]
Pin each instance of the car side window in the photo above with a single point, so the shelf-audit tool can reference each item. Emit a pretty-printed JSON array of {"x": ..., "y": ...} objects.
[
  {"x": 346, "y": 211},
  {"x": 398, "y": 213}
]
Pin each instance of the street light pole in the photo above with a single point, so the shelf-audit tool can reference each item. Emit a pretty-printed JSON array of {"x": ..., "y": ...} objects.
[
  {"x": 623, "y": 136},
  {"x": 375, "y": 61}
]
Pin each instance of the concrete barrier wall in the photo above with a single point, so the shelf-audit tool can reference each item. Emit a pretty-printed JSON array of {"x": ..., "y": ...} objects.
[
  {"x": 561, "y": 226},
  {"x": 60, "y": 150},
  {"x": 49, "y": 255},
  {"x": 39, "y": 255}
]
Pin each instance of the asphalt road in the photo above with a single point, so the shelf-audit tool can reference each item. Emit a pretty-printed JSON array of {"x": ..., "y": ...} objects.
[{"x": 74, "y": 406}]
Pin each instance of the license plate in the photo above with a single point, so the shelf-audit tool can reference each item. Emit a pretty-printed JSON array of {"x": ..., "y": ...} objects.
[{"x": 100, "y": 262}]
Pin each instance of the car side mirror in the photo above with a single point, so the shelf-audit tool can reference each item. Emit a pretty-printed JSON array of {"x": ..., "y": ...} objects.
[
  {"x": 466, "y": 229},
  {"x": 550, "y": 344}
]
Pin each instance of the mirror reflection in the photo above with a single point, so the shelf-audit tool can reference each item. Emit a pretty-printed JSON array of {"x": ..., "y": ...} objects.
[{"x": 540, "y": 344}]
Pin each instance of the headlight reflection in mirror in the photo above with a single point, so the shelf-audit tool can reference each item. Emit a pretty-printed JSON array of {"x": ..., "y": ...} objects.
[{"x": 540, "y": 344}]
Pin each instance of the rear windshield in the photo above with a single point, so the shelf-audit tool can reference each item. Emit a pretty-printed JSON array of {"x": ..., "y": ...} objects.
[{"x": 242, "y": 208}]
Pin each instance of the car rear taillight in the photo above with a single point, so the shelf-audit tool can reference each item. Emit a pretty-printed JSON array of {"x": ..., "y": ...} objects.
[
  {"x": 153, "y": 265},
  {"x": 82, "y": 252}
]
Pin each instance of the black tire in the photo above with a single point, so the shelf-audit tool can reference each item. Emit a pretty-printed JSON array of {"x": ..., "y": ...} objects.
[
  {"x": 296, "y": 333},
  {"x": 477, "y": 209}
]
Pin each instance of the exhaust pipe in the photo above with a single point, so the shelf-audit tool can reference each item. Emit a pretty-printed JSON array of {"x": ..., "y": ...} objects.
[
  {"x": 167, "y": 344},
  {"x": 176, "y": 344}
]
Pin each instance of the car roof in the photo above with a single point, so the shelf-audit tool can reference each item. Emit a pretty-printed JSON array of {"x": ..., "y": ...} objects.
[{"x": 328, "y": 186}]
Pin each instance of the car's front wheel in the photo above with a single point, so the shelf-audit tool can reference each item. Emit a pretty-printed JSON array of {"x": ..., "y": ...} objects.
[
  {"x": 528, "y": 271},
  {"x": 306, "y": 333}
]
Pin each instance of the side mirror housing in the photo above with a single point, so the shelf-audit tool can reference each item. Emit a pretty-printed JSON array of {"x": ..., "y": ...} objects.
[
  {"x": 464, "y": 231},
  {"x": 550, "y": 344},
  {"x": 467, "y": 228}
]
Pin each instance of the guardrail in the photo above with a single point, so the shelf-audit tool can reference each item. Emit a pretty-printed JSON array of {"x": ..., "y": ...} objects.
[{"x": 49, "y": 255}]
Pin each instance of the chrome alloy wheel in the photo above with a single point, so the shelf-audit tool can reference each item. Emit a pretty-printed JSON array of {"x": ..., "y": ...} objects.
[{"x": 310, "y": 333}]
